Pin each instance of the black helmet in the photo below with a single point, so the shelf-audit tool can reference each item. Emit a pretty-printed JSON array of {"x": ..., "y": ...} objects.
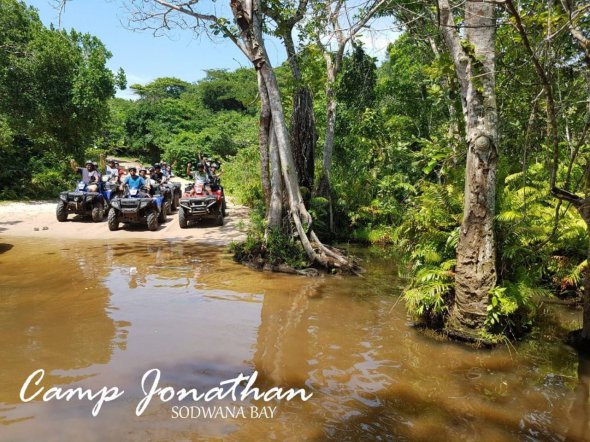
[{"x": 157, "y": 166}]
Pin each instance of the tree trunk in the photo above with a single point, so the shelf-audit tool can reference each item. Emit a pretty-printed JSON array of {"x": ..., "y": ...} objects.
[
  {"x": 275, "y": 208},
  {"x": 476, "y": 251},
  {"x": 325, "y": 185},
  {"x": 264, "y": 131},
  {"x": 303, "y": 130},
  {"x": 248, "y": 21},
  {"x": 586, "y": 300},
  {"x": 303, "y": 137}
]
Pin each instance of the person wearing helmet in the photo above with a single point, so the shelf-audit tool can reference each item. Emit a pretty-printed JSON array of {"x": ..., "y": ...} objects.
[
  {"x": 90, "y": 175},
  {"x": 157, "y": 175},
  {"x": 133, "y": 180},
  {"x": 198, "y": 174},
  {"x": 143, "y": 173},
  {"x": 111, "y": 169},
  {"x": 215, "y": 172}
]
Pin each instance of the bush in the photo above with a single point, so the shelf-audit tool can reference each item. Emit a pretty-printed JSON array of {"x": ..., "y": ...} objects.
[{"x": 241, "y": 178}]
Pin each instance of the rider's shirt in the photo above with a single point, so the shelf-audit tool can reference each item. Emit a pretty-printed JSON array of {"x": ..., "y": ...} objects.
[
  {"x": 157, "y": 176},
  {"x": 134, "y": 183},
  {"x": 201, "y": 176},
  {"x": 87, "y": 176},
  {"x": 112, "y": 172}
]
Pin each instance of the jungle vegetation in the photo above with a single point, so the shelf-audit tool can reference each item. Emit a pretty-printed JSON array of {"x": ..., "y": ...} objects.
[{"x": 466, "y": 149}]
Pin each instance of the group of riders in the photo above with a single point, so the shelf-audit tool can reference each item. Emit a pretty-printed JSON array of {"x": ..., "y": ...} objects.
[{"x": 207, "y": 171}]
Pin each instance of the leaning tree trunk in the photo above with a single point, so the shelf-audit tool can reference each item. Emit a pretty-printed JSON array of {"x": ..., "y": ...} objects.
[
  {"x": 275, "y": 208},
  {"x": 246, "y": 16},
  {"x": 475, "y": 273},
  {"x": 264, "y": 131}
]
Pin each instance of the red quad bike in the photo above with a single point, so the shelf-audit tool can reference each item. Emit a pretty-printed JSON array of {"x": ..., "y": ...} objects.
[{"x": 197, "y": 204}]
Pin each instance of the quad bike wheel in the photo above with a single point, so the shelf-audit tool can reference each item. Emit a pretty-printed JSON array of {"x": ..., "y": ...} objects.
[
  {"x": 223, "y": 208},
  {"x": 182, "y": 221},
  {"x": 175, "y": 201},
  {"x": 152, "y": 220},
  {"x": 113, "y": 220},
  {"x": 61, "y": 212},
  {"x": 163, "y": 212},
  {"x": 98, "y": 211},
  {"x": 219, "y": 219}
]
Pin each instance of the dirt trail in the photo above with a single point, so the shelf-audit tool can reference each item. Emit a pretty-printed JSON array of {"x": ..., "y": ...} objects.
[{"x": 36, "y": 219}]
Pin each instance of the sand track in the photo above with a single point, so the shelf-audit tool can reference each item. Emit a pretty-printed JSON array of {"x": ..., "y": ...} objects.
[{"x": 36, "y": 219}]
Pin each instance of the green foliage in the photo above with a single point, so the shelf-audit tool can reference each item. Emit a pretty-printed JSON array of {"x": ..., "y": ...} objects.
[
  {"x": 241, "y": 177},
  {"x": 428, "y": 238},
  {"x": 230, "y": 91},
  {"x": 54, "y": 92},
  {"x": 510, "y": 308},
  {"x": 272, "y": 247},
  {"x": 160, "y": 88}
]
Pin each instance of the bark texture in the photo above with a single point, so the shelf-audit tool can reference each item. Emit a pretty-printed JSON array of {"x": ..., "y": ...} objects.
[
  {"x": 246, "y": 15},
  {"x": 263, "y": 137},
  {"x": 303, "y": 129},
  {"x": 275, "y": 208},
  {"x": 474, "y": 61},
  {"x": 303, "y": 137}
]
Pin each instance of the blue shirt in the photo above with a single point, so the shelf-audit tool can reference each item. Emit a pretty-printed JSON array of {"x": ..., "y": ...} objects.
[{"x": 134, "y": 183}]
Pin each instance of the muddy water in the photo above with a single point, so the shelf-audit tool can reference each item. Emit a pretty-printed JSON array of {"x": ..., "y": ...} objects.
[{"x": 96, "y": 314}]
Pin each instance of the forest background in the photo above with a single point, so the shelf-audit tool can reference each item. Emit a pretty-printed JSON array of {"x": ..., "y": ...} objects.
[{"x": 397, "y": 169}]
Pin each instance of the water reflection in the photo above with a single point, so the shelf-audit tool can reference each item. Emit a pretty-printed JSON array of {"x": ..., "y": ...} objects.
[
  {"x": 580, "y": 412},
  {"x": 105, "y": 313},
  {"x": 53, "y": 315}
]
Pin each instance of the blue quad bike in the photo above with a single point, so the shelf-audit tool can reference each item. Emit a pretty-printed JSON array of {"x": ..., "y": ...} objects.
[
  {"x": 110, "y": 189},
  {"x": 82, "y": 202},
  {"x": 136, "y": 206}
]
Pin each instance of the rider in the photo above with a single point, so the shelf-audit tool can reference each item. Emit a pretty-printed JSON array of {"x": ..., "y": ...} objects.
[
  {"x": 90, "y": 176},
  {"x": 215, "y": 176},
  {"x": 200, "y": 175},
  {"x": 213, "y": 171},
  {"x": 143, "y": 173},
  {"x": 167, "y": 168},
  {"x": 112, "y": 171},
  {"x": 157, "y": 174},
  {"x": 133, "y": 180}
]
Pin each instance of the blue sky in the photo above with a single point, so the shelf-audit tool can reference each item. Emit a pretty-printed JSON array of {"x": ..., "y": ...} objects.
[
  {"x": 180, "y": 54},
  {"x": 143, "y": 56}
]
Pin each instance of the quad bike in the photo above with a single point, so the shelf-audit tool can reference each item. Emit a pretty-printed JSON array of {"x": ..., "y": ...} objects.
[
  {"x": 197, "y": 204},
  {"x": 81, "y": 202},
  {"x": 217, "y": 189},
  {"x": 137, "y": 207},
  {"x": 110, "y": 188},
  {"x": 176, "y": 193},
  {"x": 157, "y": 189}
]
